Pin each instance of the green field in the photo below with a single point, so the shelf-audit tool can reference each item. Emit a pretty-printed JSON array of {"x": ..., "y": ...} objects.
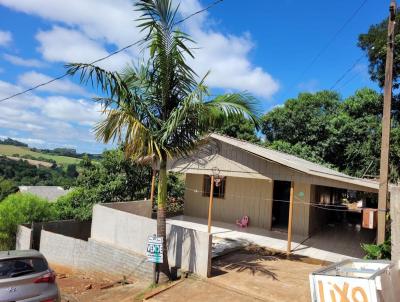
[{"x": 10, "y": 150}]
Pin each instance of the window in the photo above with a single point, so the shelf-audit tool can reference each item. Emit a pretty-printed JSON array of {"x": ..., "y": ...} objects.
[{"x": 219, "y": 190}]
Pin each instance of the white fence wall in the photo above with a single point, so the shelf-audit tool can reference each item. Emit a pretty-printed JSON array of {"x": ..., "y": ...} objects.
[
  {"x": 23, "y": 238},
  {"x": 188, "y": 249}
]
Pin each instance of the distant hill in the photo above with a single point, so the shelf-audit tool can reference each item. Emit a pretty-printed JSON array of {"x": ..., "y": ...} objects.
[
  {"x": 58, "y": 156},
  {"x": 25, "y": 152}
]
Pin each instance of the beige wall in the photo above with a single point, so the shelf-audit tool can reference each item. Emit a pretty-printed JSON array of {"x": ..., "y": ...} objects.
[
  {"x": 243, "y": 196},
  {"x": 301, "y": 210}
]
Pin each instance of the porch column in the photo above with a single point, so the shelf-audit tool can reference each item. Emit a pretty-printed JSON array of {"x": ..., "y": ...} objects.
[
  {"x": 211, "y": 203},
  {"x": 289, "y": 240}
]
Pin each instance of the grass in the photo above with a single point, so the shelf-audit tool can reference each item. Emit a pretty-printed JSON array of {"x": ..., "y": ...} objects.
[{"x": 10, "y": 150}]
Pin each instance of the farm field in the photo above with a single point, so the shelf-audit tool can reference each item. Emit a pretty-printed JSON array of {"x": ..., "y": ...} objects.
[{"x": 10, "y": 150}]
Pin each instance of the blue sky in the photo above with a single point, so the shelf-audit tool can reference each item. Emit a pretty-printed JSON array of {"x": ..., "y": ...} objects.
[{"x": 259, "y": 46}]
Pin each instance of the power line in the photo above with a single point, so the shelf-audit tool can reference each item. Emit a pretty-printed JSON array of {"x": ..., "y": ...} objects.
[
  {"x": 331, "y": 40},
  {"x": 346, "y": 72},
  {"x": 105, "y": 57},
  {"x": 200, "y": 11}
]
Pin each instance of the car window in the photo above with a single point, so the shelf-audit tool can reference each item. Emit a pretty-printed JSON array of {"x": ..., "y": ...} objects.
[{"x": 11, "y": 268}]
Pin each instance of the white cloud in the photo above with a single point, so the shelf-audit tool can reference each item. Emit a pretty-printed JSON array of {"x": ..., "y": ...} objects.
[
  {"x": 227, "y": 56},
  {"x": 23, "y": 62},
  {"x": 58, "y": 120},
  {"x": 5, "y": 38},
  {"x": 66, "y": 45},
  {"x": 33, "y": 78},
  {"x": 80, "y": 111}
]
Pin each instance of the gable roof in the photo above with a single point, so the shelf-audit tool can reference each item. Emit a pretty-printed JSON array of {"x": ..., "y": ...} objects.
[{"x": 295, "y": 162}]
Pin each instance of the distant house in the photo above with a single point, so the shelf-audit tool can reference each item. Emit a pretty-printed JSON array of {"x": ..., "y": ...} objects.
[{"x": 51, "y": 193}]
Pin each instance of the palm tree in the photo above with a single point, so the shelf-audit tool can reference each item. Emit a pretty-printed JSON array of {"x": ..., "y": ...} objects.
[{"x": 158, "y": 108}]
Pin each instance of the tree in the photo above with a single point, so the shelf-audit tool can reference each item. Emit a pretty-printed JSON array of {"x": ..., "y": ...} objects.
[
  {"x": 7, "y": 187},
  {"x": 240, "y": 128},
  {"x": 374, "y": 44},
  {"x": 113, "y": 178},
  {"x": 158, "y": 109}
]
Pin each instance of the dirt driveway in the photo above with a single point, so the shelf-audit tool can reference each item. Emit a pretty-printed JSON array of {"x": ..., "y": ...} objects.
[
  {"x": 81, "y": 286},
  {"x": 253, "y": 274}
]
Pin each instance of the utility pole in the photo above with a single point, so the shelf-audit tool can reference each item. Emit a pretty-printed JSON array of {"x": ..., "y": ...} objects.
[{"x": 387, "y": 104}]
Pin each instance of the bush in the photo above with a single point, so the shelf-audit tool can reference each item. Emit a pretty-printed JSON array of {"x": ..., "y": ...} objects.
[
  {"x": 74, "y": 205},
  {"x": 378, "y": 251},
  {"x": 17, "y": 209}
]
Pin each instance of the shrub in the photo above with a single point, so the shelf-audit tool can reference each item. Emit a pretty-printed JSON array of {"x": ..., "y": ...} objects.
[
  {"x": 378, "y": 251},
  {"x": 74, "y": 205},
  {"x": 17, "y": 209}
]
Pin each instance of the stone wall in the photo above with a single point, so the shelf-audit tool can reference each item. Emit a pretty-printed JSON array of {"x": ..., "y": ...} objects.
[
  {"x": 188, "y": 249},
  {"x": 94, "y": 256}
]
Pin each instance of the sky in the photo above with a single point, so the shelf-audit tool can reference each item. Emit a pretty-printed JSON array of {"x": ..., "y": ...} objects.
[{"x": 271, "y": 49}]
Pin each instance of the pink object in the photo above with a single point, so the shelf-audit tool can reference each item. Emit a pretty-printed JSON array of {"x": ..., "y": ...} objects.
[{"x": 244, "y": 222}]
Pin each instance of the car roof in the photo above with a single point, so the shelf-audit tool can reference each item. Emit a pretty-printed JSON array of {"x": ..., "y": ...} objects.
[{"x": 12, "y": 254}]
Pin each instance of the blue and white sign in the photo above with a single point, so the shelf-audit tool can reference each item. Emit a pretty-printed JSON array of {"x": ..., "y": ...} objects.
[{"x": 154, "y": 251}]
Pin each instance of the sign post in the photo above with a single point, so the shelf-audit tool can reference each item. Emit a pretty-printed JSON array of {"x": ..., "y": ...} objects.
[{"x": 154, "y": 253}]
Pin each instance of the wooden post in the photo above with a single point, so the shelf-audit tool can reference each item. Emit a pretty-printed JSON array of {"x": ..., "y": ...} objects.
[
  {"x": 395, "y": 227},
  {"x": 289, "y": 240},
  {"x": 153, "y": 182},
  {"x": 211, "y": 203},
  {"x": 387, "y": 102}
]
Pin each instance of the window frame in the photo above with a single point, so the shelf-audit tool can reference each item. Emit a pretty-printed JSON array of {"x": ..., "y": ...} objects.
[{"x": 219, "y": 192}]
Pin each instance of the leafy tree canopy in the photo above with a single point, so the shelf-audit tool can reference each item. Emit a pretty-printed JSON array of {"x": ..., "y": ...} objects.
[
  {"x": 344, "y": 134},
  {"x": 374, "y": 44}
]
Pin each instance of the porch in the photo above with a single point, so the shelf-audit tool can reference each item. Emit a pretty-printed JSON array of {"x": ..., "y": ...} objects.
[{"x": 332, "y": 243}]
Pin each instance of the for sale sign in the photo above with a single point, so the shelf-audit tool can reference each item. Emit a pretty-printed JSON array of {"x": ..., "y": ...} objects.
[{"x": 154, "y": 251}]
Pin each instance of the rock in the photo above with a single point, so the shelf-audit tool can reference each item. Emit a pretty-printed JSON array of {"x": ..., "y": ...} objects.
[{"x": 89, "y": 286}]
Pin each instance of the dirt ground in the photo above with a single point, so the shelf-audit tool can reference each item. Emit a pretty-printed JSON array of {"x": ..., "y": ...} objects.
[
  {"x": 248, "y": 275},
  {"x": 80, "y": 286},
  {"x": 251, "y": 274}
]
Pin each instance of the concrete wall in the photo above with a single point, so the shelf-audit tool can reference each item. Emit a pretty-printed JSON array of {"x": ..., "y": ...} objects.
[
  {"x": 140, "y": 207},
  {"x": 93, "y": 255},
  {"x": 23, "y": 238},
  {"x": 187, "y": 249},
  {"x": 243, "y": 196}
]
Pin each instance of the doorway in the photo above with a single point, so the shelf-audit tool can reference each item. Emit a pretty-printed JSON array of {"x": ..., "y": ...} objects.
[{"x": 280, "y": 205}]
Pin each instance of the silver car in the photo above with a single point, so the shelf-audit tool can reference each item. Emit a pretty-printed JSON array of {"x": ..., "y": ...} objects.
[{"x": 25, "y": 276}]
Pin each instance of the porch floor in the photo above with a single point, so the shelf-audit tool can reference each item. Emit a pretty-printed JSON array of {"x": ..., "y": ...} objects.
[{"x": 332, "y": 244}]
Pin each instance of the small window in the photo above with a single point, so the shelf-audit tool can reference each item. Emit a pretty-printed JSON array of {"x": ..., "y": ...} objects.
[{"x": 219, "y": 189}]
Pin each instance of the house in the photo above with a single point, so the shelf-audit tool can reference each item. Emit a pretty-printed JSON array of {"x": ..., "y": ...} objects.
[
  {"x": 254, "y": 181},
  {"x": 51, "y": 193}
]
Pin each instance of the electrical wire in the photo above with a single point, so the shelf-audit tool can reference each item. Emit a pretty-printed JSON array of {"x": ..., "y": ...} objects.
[
  {"x": 296, "y": 201},
  {"x": 103, "y": 58},
  {"x": 329, "y": 43},
  {"x": 346, "y": 72}
]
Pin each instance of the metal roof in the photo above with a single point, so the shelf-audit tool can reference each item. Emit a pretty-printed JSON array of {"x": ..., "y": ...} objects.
[
  {"x": 295, "y": 162},
  {"x": 51, "y": 193}
]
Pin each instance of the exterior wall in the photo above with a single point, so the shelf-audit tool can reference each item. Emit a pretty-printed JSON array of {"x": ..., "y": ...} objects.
[
  {"x": 93, "y": 255},
  {"x": 301, "y": 211},
  {"x": 243, "y": 196},
  {"x": 235, "y": 162},
  {"x": 23, "y": 238},
  {"x": 188, "y": 249},
  {"x": 140, "y": 207}
]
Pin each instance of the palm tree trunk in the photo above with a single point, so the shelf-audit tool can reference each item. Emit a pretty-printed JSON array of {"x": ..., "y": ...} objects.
[{"x": 161, "y": 215}]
